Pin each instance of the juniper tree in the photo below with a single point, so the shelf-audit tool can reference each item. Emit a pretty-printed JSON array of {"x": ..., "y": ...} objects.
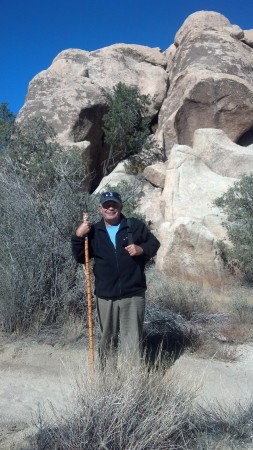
[
  {"x": 237, "y": 205},
  {"x": 126, "y": 124}
]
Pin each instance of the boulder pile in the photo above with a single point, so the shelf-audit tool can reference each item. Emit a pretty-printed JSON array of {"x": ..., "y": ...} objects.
[{"x": 202, "y": 103}]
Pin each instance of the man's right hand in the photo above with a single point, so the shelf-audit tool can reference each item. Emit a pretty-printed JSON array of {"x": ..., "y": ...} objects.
[{"x": 83, "y": 229}]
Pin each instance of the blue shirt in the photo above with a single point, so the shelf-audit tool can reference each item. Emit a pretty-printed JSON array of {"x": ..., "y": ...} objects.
[{"x": 112, "y": 231}]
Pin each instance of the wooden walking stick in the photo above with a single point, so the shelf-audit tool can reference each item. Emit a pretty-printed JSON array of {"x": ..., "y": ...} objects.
[{"x": 89, "y": 297}]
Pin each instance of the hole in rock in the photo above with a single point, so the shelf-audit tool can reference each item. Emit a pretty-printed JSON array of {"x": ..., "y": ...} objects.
[{"x": 246, "y": 138}]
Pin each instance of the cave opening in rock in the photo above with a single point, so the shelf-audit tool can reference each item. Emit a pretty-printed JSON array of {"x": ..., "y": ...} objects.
[
  {"x": 246, "y": 138},
  {"x": 153, "y": 124}
]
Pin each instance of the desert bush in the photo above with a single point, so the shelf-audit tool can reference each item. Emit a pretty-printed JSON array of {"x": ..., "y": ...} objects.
[
  {"x": 133, "y": 408},
  {"x": 150, "y": 154},
  {"x": 237, "y": 205},
  {"x": 241, "y": 305},
  {"x": 127, "y": 408},
  {"x": 222, "y": 427},
  {"x": 211, "y": 348},
  {"x": 165, "y": 335},
  {"x": 134, "y": 166},
  {"x": 238, "y": 329},
  {"x": 172, "y": 311},
  {"x": 183, "y": 298},
  {"x": 40, "y": 200},
  {"x": 38, "y": 276},
  {"x": 34, "y": 152}
]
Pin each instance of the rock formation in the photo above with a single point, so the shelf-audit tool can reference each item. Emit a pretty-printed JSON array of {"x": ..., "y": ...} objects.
[
  {"x": 71, "y": 93},
  {"x": 211, "y": 80},
  {"x": 195, "y": 177},
  {"x": 202, "y": 91}
]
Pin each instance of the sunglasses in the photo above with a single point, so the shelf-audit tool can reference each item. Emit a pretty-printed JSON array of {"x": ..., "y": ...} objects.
[{"x": 109, "y": 204}]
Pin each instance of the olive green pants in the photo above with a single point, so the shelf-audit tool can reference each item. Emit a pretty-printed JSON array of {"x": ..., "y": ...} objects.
[{"x": 121, "y": 324}]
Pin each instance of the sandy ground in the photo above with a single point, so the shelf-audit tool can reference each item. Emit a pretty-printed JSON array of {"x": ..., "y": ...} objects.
[
  {"x": 34, "y": 374},
  {"x": 216, "y": 381}
]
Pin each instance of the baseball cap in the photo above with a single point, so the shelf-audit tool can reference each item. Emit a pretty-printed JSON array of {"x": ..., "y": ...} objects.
[{"x": 113, "y": 196}]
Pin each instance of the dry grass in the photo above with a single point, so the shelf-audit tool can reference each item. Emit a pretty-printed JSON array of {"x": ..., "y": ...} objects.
[
  {"x": 216, "y": 350},
  {"x": 182, "y": 298},
  {"x": 224, "y": 429},
  {"x": 132, "y": 408},
  {"x": 128, "y": 408},
  {"x": 237, "y": 302},
  {"x": 218, "y": 321},
  {"x": 236, "y": 332},
  {"x": 242, "y": 304}
]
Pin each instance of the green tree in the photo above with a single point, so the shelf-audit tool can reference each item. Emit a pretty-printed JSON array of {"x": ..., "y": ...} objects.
[
  {"x": 126, "y": 124},
  {"x": 237, "y": 205},
  {"x": 7, "y": 119}
]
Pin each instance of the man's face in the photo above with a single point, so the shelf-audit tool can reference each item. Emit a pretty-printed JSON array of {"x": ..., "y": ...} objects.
[{"x": 110, "y": 211}]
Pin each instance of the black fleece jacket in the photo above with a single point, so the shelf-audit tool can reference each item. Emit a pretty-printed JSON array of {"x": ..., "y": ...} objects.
[{"x": 117, "y": 274}]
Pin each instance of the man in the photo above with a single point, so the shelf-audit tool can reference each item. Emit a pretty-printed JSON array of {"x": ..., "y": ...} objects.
[{"x": 120, "y": 248}]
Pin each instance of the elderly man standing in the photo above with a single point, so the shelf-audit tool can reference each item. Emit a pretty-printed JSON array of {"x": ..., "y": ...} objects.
[{"x": 120, "y": 248}]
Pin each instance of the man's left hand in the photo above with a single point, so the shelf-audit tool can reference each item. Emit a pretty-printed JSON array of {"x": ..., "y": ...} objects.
[{"x": 134, "y": 250}]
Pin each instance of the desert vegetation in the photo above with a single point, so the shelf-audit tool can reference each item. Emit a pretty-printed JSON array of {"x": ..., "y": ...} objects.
[
  {"x": 132, "y": 408},
  {"x": 37, "y": 275},
  {"x": 128, "y": 130},
  {"x": 41, "y": 200},
  {"x": 42, "y": 197},
  {"x": 237, "y": 206}
]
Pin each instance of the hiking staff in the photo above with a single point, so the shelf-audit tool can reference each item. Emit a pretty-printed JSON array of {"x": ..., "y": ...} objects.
[{"x": 89, "y": 296}]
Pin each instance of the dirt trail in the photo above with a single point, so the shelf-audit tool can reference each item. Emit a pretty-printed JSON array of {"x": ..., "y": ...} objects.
[
  {"x": 34, "y": 373},
  {"x": 225, "y": 382}
]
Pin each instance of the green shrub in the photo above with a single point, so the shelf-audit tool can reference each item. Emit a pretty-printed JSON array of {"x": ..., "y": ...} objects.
[
  {"x": 237, "y": 205},
  {"x": 134, "y": 167},
  {"x": 149, "y": 154},
  {"x": 126, "y": 124}
]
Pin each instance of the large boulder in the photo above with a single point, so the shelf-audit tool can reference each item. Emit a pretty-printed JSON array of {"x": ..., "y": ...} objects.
[
  {"x": 211, "y": 81},
  {"x": 192, "y": 224},
  {"x": 71, "y": 93},
  {"x": 248, "y": 38},
  {"x": 115, "y": 177}
]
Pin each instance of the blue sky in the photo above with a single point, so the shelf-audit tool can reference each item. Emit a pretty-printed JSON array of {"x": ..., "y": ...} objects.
[{"x": 34, "y": 32}]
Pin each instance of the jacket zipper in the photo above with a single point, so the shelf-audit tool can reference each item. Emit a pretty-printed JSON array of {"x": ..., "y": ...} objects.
[{"x": 117, "y": 262}]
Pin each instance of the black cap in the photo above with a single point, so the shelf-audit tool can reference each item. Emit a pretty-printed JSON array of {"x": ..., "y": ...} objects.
[{"x": 113, "y": 196}]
